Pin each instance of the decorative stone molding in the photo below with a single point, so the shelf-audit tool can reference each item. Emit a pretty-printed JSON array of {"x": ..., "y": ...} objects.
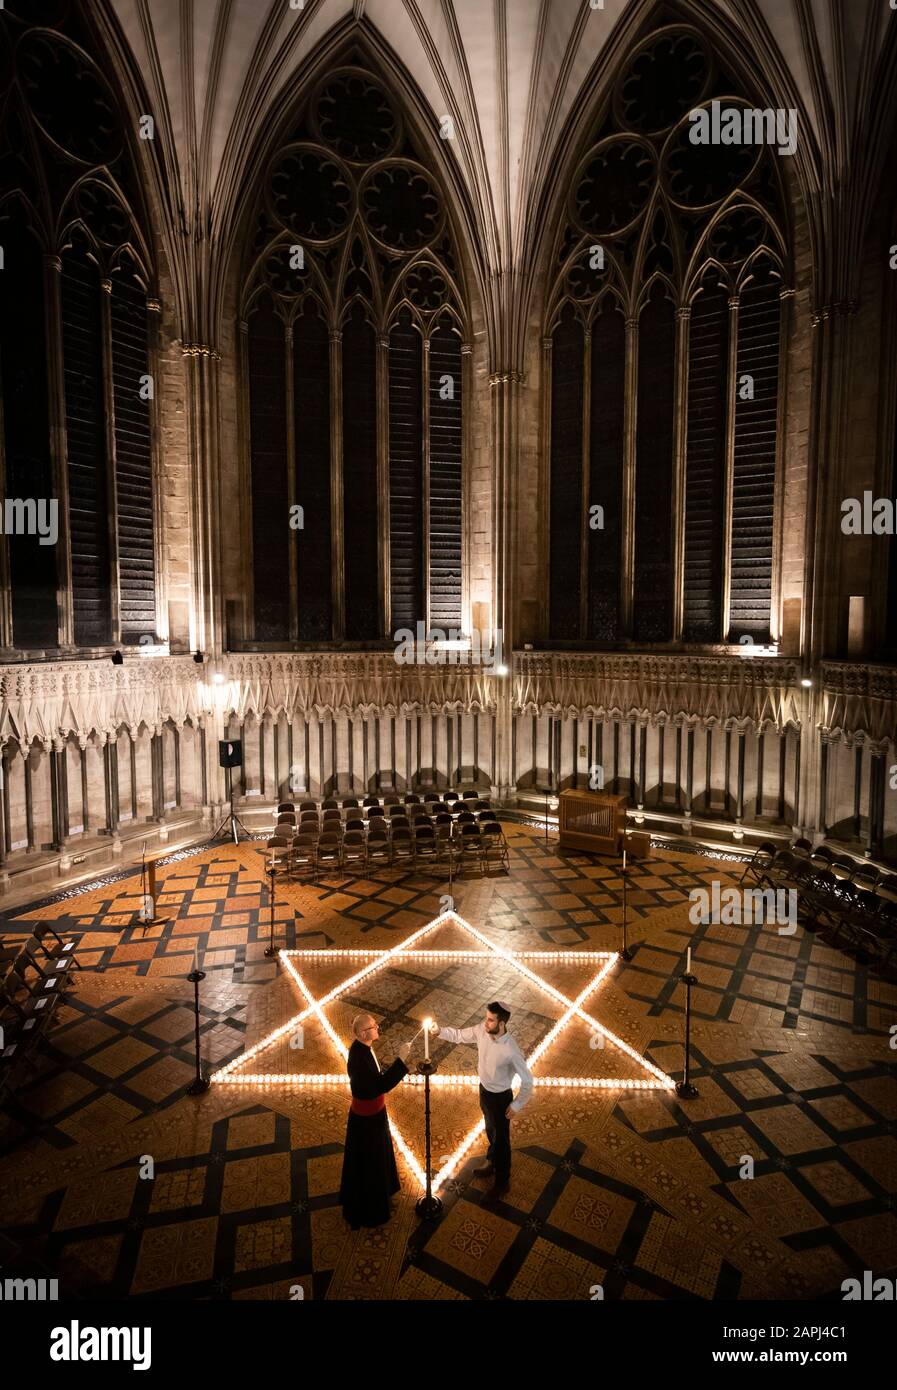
[
  {"x": 697, "y": 691},
  {"x": 859, "y": 705},
  {"x": 93, "y": 700},
  {"x": 366, "y": 683},
  {"x": 200, "y": 350},
  {"x": 843, "y": 308}
]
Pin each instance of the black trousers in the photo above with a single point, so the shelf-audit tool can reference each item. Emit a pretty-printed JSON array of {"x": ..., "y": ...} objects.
[{"x": 498, "y": 1130}]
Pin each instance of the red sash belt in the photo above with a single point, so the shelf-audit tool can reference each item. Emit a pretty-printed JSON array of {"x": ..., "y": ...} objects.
[{"x": 367, "y": 1107}]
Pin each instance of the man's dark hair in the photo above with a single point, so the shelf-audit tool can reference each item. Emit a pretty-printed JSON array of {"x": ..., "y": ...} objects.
[{"x": 501, "y": 1013}]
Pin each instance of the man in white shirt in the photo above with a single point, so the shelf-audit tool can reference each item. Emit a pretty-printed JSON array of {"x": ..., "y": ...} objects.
[{"x": 499, "y": 1061}]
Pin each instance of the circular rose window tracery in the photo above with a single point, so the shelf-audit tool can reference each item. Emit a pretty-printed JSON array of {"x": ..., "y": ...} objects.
[
  {"x": 613, "y": 186},
  {"x": 309, "y": 194},
  {"x": 665, "y": 79},
  {"x": 401, "y": 207},
  {"x": 68, "y": 98},
  {"x": 354, "y": 117}
]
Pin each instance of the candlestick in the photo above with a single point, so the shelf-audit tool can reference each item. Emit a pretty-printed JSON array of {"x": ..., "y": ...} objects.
[
  {"x": 427, "y": 1022},
  {"x": 688, "y": 962},
  {"x": 195, "y": 957},
  {"x": 624, "y": 861}
]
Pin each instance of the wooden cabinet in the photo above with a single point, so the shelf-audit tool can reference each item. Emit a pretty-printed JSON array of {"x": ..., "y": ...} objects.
[{"x": 592, "y": 821}]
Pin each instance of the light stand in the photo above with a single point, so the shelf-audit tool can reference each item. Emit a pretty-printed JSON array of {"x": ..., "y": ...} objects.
[
  {"x": 200, "y": 1084},
  {"x": 626, "y": 953},
  {"x": 428, "y": 1207},
  {"x": 451, "y": 859},
  {"x": 231, "y": 823},
  {"x": 269, "y": 950},
  {"x": 148, "y": 894},
  {"x": 684, "y": 1088}
]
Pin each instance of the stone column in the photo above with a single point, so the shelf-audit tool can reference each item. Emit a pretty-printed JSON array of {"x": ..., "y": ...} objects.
[
  {"x": 4, "y": 815},
  {"x": 29, "y": 802},
  {"x": 132, "y": 750},
  {"x": 158, "y": 775},
  {"x": 85, "y": 804},
  {"x": 57, "y": 792}
]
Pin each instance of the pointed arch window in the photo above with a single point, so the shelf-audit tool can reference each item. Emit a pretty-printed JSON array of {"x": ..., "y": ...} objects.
[
  {"x": 351, "y": 264},
  {"x": 664, "y": 379},
  {"x": 76, "y": 353}
]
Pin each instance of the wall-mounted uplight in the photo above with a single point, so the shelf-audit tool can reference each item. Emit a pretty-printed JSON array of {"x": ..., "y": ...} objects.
[
  {"x": 806, "y": 682},
  {"x": 217, "y": 679},
  {"x": 501, "y": 670}
]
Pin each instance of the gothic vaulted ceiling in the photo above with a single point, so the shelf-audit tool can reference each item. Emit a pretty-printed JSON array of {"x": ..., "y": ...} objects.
[{"x": 513, "y": 75}]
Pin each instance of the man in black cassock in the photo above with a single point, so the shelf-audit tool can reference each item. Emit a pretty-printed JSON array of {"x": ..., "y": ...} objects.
[{"x": 370, "y": 1176}]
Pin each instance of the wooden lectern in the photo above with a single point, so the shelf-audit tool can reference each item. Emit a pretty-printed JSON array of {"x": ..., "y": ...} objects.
[{"x": 592, "y": 821}]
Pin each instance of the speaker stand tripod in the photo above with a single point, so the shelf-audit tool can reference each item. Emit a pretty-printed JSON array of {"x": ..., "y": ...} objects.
[{"x": 231, "y": 825}]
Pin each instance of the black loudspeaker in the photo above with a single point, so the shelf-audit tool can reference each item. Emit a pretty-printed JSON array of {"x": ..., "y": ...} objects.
[{"x": 230, "y": 754}]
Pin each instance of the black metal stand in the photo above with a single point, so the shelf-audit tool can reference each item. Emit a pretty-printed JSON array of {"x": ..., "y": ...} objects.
[
  {"x": 154, "y": 920},
  {"x": 269, "y": 950},
  {"x": 684, "y": 1088},
  {"x": 428, "y": 1207},
  {"x": 200, "y": 1084},
  {"x": 231, "y": 825},
  {"x": 625, "y": 953}
]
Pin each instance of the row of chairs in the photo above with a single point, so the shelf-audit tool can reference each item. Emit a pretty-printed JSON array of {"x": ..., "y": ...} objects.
[
  {"x": 853, "y": 902},
  {"x": 388, "y": 799},
  {"x": 33, "y": 976},
  {"x": 351, "y": 815},
  {"x": 481, "y": 843},
  {"x": 309, "y": 823}
]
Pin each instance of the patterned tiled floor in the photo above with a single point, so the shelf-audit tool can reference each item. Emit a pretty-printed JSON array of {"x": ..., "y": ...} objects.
[{"x": 777, "y": 1181}]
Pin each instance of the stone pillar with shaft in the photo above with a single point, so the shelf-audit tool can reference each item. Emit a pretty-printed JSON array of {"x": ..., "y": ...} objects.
[{"x": 505, "y": 393}]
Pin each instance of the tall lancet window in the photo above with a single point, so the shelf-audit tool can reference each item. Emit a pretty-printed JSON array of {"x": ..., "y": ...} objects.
[
  {"x": 354, "y": 335},
  {"x": 79, "y": 551},
  {"x": 663, "y": 348}
]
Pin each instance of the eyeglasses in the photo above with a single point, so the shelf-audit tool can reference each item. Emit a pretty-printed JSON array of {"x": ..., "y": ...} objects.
[{"x": 374, "y": 1029}]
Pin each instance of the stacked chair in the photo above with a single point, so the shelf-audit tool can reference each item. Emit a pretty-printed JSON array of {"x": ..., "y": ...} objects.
[
  {"x": 851, "y": 902},
  {"x": 352, "y": 835},
  {"x": 32, "y": 979}
]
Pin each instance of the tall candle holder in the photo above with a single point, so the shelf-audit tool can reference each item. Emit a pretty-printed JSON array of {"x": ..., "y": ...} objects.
[
  {"x": 626, "y": 953},
  {"x": 200, "y": 1084},
  {"x": 269, "y": 949},
  {"x": 685, "y": 1088},
  {"x": 428, "y": 1207}
]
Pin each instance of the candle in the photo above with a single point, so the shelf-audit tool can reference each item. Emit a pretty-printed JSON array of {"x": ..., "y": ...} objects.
[
  {"x": 196, "y": 958},
  {"x": 688, "y": 962},
  {"x": 427, "y": 1022}
]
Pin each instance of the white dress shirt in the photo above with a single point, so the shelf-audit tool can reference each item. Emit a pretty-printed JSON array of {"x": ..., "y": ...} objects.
[{"x": 499, "y": 1060}]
